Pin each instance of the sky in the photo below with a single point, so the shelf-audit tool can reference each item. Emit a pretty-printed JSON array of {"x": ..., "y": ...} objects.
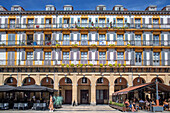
[{"x": 84, "y": 4}]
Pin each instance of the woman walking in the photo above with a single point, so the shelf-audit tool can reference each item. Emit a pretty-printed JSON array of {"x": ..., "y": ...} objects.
[{"x": 51, "y": 104}]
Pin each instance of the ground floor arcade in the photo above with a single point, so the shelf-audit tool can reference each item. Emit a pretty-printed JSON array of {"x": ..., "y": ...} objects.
[{"x": 83, "y": 88}]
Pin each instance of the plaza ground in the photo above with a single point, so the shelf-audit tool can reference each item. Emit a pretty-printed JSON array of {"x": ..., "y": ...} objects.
[{"x": 77, "y": 109}]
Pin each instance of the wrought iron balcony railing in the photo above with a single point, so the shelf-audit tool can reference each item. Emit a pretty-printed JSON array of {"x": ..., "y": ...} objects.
[
  {"x": 85, "y": 26},
  {"x": 95, "y": 62},
  {"x": 76, "y": 43}
]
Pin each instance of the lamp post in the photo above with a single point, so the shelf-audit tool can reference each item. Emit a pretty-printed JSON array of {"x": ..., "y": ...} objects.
[{"x": 157, "y": 98}]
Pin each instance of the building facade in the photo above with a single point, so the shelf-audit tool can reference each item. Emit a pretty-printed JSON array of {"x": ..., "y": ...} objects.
[{"x": 86, "y": 55}]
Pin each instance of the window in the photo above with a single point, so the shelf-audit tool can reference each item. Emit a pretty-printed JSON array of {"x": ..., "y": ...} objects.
[
  {"x": 84, "y": 55},
  {"x": 11, "y": 39},
  {"x": 119, "y": 20},
  {"x": 12, "y": 21},
  {"x": 156, "y": 56},
  {"x": 102, "y": 55},
  {"x": 120, "y": 37},
  {"x": 101, "y": 20},
  {"x": 120, "y": 55},
  {"x": 97, "y": 8},
  {"x": 84, "y": 80},
  {"x": 66, "y": 37},
  {"x": 48, "y": 21},
  {"x": 47, "y": 55},
  {"x": 84, "y": 20},
  {"x": 120, "y": 40},
  {"x": 156, "y": 40},
  {"x": 139, "y": 57},
  {"x": 68, "y": 80},
  {"x": 16, "y": 8},
  {"x": 29, "y": 55},
  {"x": 30, "y": 21},
  {"x": 84, "y": 37},
  {"x": 100, "y": 80},
  {"x": 66, "y": 20},
  {"x": 155, "y": 21},
  {"x": 101, "y": 37},
  {"x": 137, "y": 20},
  {"x": 65, "y": 55}
]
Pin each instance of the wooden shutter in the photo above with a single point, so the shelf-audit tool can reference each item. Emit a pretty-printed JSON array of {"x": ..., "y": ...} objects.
[
  {"x": 151, "y": 58},
  {"x": 71, "y": 55},
  {"x": 108, "y": 36},
  {"x": 41, "y": 38},
  {"x": 60, "y": 36},
  {"x": 78, "y": 55},
  {"x": 143, "y": 20},
  {"x": 35, "y": 55},
  {"x": 41, "y": 55},
  {"x": 144, "y": 39},
  {"x": 72, "y": 20},
  {"x": 54, "y": 21},
  {"x": 161, "y": 21},
  {"x": 108, "y": 55},
  {"x": 24, "y": 20},
  {"x": 96, "y": 38},
  {"x": 36, "y": 20},
  {"x": 150, "y": 21},
  {"x": 72, "y": 37},
  {"x": 126, "y": 55},
  {"x": 42, "y": 21},
  {"x": 23, "y": 55},
  {"x": 114, "y": 55},
  {"x": 90, "y": 55},
  {"x": 133, "y": 58},
  {"x": 96, "y": 55},
  {"x": 78, "y": 37},
  {"x": 144, "y": 58},
  {"x": 54, "y": 38},
  {"x": 132, "y": 20},
  {"x": 54, "y": 55},
  {"x": 163, "y": 58},
  {"x": 90, "y": 37},
  {"x": 162, "y": 39},
  {"x": 126, "y": 37},
  {"x": 114, "y": 37}
]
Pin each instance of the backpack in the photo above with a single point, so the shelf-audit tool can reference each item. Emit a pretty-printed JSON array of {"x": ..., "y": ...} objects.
[{"x": 53, "y": 99}]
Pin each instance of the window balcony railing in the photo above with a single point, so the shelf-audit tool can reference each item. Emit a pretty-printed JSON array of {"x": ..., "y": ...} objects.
[
  {"x": 12, "y": 62},
  {"x": 84, "y": 43},
  {"x": 85, "y": 26}
]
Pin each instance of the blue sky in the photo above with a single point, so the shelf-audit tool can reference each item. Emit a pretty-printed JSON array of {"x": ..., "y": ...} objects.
[{"x": 84, "y": 4}]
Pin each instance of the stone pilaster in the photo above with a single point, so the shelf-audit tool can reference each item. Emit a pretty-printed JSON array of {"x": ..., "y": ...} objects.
[
  {"x": 166, "y": 79},
  {"x": 19, "y": 81},
  {"x": 1, "y": 79},
  {"x": 111, "y": 87},
  {"x": 93, "y": 90},
  {"x": 37, "y": 79},
  {"x": 130, "y": 80},
  {"x": 74, "y": 89}
]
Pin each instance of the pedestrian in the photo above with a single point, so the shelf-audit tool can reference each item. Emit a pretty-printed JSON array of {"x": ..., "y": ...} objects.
[{"x": 51, "y": 104}]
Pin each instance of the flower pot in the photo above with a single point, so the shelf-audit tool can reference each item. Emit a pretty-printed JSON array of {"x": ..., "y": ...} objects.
[{"x": 37, "y": 26}]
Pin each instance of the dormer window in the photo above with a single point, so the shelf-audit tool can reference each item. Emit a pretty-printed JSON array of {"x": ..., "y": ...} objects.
[
  {"x": 15, "y": 8},
  {"x": 68, "y": 8}
]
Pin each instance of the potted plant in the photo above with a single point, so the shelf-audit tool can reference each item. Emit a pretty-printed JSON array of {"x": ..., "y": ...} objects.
[
  {"x": 110, "y": 65},
  {"x": 90, "y": 64},
  {"x": 62, "y": 65},
  {"x": 111, "y": 24},
  {"x": 67, "y": 65},
  {"x": 124, "y": 65},
  {"x": 72, "y": 65},
  {"x": 81, "y": 65},
  {"x": 115, "y": 64},
  {"x": 92, "y": 24},
  {"x": 119, "y": 65},
  {"x": 111, "y": 45},
  {"x": 77, "y": 65},
  {"x": 85, "y": 65},
  {"x": 57, "y": 45},
  {"x": 101, "y": 65}
]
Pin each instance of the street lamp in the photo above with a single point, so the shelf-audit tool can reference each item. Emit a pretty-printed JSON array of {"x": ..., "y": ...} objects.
[
  {"x": 138, "y": 78},
  {"x": 65, "y": 78},
  {"x": 46, "y": 78},
  {"x": 120, "y": 78}
]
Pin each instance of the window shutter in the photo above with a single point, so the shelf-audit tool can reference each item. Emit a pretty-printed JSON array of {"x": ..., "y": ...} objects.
[
  {"x": 150, "y": 21},
  {"x": 132, "y": 20},
  {"x": 162, "y": 39},
  {"x": 60, "y": 36},
  {"x": 161, "y": 21},
  {"x": 24, "y": 20},
  {"x": 36, "y": 20},
  {"x": 60, "y": 20},
  {"x": 42, "y": 20},
  {"x": 90, "y": 37},
  {"x": 35, "y": 55},
  {"x": 150, "y": 37},
  {"x": 35, "y": 36},
  {"x": 108, "y": 36},
  {"x": 144, "y": 58},
  {"x": 114, "y": 55},
  {"x": 151, "y": 58},
  {"x": 54, "y": 20},
  {"x": 41, "y": 55},
  {"x": 0, "y": 23},
  {"x": 78, "y": 55},
  {"x": 126, "y": 37},
  {"x": 143, "y": 19},
  {"x": 54, "y": 38},
  {"x": 168, "y": 58},
  {"x": 163, "y": 58},
  {"x": 96, "y": 38},
  {"x": 90, "y": 55},
  {"x": 53, "y": 55},
  {"x": 71, "y": 55},
  {"x": 108, "y": 55},
  {"x": 41, "y": 38},
  {"x": 17, "y": 22},
  {"x": 0, "y": 37},
  {"x": 72, "y": 20},
  {"x": 126, "y": 56},
  {"x": 72, "y": 37},
  {"x": 96, "y": 55},
  {"x": 59, "y": 55},
  {"x": 168, "y": 20},
  {"x": 78, "y": 37},
  {"x": 132, "y": 39},
  {"x": 23, "y": 55},
  {"x": 114, "y": 37},
  {"x": 133, "y": 58},
  {"x": 144, "y": 39}
]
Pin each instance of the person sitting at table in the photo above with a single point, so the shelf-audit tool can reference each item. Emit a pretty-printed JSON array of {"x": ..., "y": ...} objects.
[
  {"x": 165, "y": 104},
  {"x": 147, "y": 105},
  {"x": 127, "y": 104}
]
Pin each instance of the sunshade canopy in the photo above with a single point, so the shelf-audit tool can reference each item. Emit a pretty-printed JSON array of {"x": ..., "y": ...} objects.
[
  {"x": 161, "y": 87},
  {"x": 6, "y": 88}
]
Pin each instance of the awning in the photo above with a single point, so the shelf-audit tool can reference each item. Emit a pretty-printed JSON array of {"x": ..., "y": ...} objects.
[
  {"x": 161, "y": 87},
  {"x": 35, "y": 88},
  {"x": 6, "y": 88}
]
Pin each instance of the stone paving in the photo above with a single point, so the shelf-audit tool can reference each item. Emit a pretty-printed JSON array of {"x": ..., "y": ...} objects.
[{"x": 76, "y": 109}]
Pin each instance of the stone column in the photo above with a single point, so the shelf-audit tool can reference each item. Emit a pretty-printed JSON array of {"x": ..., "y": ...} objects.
[
  {"x": 1, "y": 79},
  {"x": 130, "y": 81},
  {"x": 148, "y": 79},
  {"x": 37, "y": 79},
  {"x": 111, "y": 87},
  {"x": 93, "y": 90},
  {"x": 19, "y": 81},
  {"x": 74, "y": 89},
  {"x": 56, "y": 84},
  {"x": 166, "y": 79}
]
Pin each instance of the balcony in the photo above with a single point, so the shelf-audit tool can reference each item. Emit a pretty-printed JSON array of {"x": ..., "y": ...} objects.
[
  {"x": 85, "y": 26},
  {"x": 84, "y": 43},
  {"x": 13, "y": 62}
]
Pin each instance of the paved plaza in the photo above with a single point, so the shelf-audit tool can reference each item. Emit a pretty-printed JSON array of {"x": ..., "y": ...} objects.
[{"x": 76, "y": 109}]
